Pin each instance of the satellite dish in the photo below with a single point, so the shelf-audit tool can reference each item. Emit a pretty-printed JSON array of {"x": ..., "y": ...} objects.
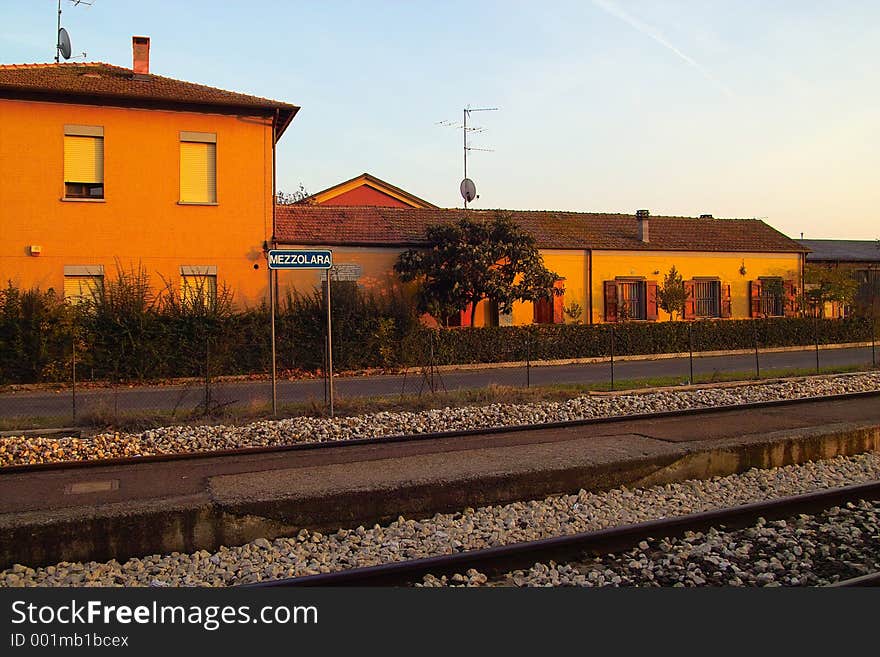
[
  {"x": 468, "y": 190},
  {"x": 64, "y": 43}
]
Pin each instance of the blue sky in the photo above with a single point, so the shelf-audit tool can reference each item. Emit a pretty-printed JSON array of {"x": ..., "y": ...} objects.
[{"x": 741, "y": 108}]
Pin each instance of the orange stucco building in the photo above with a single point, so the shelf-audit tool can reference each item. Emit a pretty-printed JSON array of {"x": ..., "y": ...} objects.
[{"x": 103, "y": 166}]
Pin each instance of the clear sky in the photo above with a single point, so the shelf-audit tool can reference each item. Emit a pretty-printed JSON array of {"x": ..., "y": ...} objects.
[{"x": 739, "y": 108}]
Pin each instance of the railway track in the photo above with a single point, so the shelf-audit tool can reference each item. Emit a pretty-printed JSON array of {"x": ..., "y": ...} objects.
[
  {"x": 503, "y": 559},
  {"x": 307, "y": 446}
]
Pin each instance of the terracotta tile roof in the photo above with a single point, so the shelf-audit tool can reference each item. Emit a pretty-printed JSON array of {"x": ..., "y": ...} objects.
[
  {"x": 378, "y": 226},
  {"x": 118, "y": 85}
]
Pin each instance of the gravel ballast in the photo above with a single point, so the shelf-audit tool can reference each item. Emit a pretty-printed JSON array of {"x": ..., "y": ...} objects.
[
  {"x": 25, "y": 450},
  {"x": 312, "y": 552},
  {"x": 805, "y": 550}
]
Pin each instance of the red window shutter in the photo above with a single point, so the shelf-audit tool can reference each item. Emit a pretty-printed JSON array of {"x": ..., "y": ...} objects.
[
  {"x": 754, "y": 298},
  {"x": 558, "y": 312},
  {"x": 543, "y": 311},
  {"x": 651, "y": 290},
  {"x": 725, "y": 301},
  {"x": 690, "y": 310},
  {"x": 790, "y": 290},
  {"x": 610, "y": 301}
]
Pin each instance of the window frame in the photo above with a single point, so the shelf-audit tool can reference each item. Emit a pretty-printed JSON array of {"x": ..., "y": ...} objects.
[
  {"x": 642, "y": 286},
  {"x": 714, "y": 300},
  {"x": 193, "y": 137},
  {"x": 85, "y": 189},
  {"x": 204, "y": 274},
  {"x": 765, "y": 298},
  {"x": 83, "y": 272}
]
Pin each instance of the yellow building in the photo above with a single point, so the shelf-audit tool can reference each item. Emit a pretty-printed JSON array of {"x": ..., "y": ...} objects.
[
  {"x": 609, "y": 265},
  {"x": 101, "y": 165},
  {"x": 367, "y": 189}
]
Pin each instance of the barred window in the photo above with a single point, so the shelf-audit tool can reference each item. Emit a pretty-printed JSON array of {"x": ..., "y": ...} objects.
[
  {"x": 707, "y": 298},
  {"x": 632, "y": 300},
  {"x": 772, "y": 297}
]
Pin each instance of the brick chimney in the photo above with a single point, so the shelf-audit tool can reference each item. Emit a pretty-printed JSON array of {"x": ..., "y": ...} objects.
[
  {"x": 642, "y": 218},
  {"x": 140, "y": 46}
]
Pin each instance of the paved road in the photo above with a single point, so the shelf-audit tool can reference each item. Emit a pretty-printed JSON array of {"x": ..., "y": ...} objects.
[{"x": 185, "y": 398}]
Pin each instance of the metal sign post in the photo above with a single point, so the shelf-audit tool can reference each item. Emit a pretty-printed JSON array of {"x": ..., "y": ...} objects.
[
  {"x": 300, "y": 259},
  {"x": 272, "y": 311},
  {"x": 329, "y": 349}
]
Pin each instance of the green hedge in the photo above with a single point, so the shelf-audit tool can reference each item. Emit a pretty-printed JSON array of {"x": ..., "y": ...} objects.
[
  {"x": 550, "y": 342},
  {"x": 131, "y": 338}
]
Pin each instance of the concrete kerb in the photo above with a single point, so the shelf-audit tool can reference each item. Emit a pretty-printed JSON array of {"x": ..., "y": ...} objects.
[{"x": 120, "y": 531}]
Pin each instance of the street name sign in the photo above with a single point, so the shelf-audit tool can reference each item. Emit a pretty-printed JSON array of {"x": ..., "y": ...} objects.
[{"x": 300, "y": 259}]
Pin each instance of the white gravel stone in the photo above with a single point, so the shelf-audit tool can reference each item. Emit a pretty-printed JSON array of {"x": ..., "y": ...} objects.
[
  {"x": 21, "y": 450},
  {"x": 836, "y": 544},
  {"x": 698, "y": 557}
]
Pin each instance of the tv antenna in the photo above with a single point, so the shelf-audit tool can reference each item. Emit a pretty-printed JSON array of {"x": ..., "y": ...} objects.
[
  {"x": 467, "y": 188},
  {"x": 62, "y": 44}
]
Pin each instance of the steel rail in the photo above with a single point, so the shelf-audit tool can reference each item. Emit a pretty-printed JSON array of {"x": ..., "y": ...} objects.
[
  {"x": 872, "y": 579},
  {"x": 438, "y": 435},
  {"x": 496, "y": 560}
]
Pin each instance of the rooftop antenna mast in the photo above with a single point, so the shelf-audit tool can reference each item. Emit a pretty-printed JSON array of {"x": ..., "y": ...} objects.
[
  {"x": 62, "y": 44},
  {"x": 468, "y": 188}
]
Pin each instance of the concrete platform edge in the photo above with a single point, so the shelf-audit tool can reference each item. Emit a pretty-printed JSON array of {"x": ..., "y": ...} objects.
[{"x": 124, "y": 530}]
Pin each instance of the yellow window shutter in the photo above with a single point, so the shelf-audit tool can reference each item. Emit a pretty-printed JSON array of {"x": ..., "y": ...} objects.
[
  {"x": 83, "y": 159},
  {"x": 83, "y": 288},
  {"x": 198, "y": 172},
  {"x": 199, "y": 290}
]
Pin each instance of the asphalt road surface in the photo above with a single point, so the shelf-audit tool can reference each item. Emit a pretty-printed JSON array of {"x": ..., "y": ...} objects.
[{"x": 142, "y": 399}]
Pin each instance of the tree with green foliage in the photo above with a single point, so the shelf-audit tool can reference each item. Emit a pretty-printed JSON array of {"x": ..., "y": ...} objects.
[
  {"x": 473, "y": 260},
  {"x": 672, "y": 295},
  {"x": 827, "y": 285}
]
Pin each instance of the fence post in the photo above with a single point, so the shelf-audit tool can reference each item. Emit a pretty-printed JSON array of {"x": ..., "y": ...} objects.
[
  {"x": 757, "y": 358},
  {"x": 324, "y": 365},
  {"x": 691, "y": 353},
  {"x": 528, "y": 359},
  {"x": 612, "y": 357},
  {"x": 73, "y": 374},
  {"x": 207, "y": 374},
  {"x": 816, "y": 335},
  {"x": 873, "y": 341},
  {"x": 433, "y": 386}
]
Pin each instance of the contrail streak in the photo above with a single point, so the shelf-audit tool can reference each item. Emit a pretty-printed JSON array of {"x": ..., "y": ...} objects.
[{"x": 611, "y": 8}]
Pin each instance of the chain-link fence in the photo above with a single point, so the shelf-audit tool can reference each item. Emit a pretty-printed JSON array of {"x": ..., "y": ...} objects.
[{"x": 209, "y": 371}]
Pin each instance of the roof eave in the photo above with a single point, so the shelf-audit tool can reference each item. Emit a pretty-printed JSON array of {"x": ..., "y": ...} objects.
[
  {"x": 285, "y": 117},
  {"x": 13, "y": 92}
]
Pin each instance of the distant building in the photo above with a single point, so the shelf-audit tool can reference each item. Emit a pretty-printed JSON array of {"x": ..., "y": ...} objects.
[
  {"x": 367, "y": 190},
  {"x": 609, "y": 264},
  {"x": 859, "y": 257},
  {"x": 101, "y": 164}
]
